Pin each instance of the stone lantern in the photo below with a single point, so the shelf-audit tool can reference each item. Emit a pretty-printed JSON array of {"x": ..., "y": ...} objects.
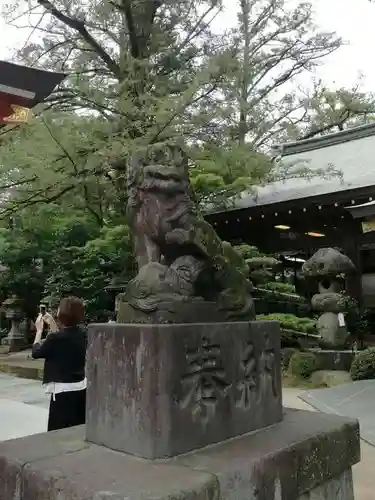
[
  {"x": 15, "y": 339},
  {"x": 329, "y": 268},
  {"x": 115, "y": 288}
]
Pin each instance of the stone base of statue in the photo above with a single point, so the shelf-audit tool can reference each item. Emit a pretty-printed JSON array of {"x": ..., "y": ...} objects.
[
  {"x": 178, "y": 311},
  {"x": 185, "y": 411},
  {"x": 14, "y": 343},
  {"x": 307, "y": 456},
  {"x": 156, "y": 391}
]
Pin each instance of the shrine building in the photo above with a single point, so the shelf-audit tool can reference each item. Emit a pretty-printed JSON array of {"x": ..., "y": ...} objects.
[
  {"x": 21, "y": 89},
  {"x": 294, "y": 218}
]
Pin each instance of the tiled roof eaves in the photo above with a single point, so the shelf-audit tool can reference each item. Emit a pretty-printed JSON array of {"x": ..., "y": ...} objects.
[{"x": 351, "y": 134}]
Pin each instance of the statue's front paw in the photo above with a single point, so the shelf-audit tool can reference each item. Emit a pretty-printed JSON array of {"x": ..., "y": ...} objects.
[{"x": 176, "y": 237}]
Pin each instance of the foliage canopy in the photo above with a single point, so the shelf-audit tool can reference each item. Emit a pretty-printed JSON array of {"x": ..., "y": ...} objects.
[{"x": 141, "y": 73}]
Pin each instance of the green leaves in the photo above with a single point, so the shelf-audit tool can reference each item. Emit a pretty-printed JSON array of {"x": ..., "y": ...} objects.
[
  {"x": 220, "y": 175},
  {"x": 331, "y": 111},
  {"x": 87, "y": 270},
  {"x": 139, "y": 75},
  {"x": 48, "y": 255},
  {"x": 151, "y": 73}
]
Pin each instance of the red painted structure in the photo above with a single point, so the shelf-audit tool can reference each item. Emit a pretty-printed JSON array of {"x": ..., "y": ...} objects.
[{"x": 22, "y": 88}]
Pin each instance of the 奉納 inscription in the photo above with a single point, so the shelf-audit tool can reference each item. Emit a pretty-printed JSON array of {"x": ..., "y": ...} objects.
[
  {"x": 247, "y": 385},
  {"x": 205, "y": 383}
]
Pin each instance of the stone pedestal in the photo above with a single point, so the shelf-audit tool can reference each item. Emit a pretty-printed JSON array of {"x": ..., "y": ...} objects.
[
  {"x": 15, "y": 340},
  {"x": 177, "y": 312},
  {"x": 328, "y": 327},
  {"x": 333, "y": 359},
  {"x": 307, "y": 456},
  {"x": 14, "y": 343},
  {"x": 156, "y": 391},
  {"x": 167, "y": 391}
]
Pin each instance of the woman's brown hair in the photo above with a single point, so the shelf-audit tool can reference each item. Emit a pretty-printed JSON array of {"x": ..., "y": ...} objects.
[{"x": 71, "y": 311}]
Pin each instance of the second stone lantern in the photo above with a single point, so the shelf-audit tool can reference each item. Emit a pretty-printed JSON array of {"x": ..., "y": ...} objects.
[{"x": 329, "y": 268}]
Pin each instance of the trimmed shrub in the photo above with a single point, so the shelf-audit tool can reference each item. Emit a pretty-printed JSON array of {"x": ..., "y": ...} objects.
[
  {"x": 278, "y": 286},
  {"x": 286, "y": 354},
  {"x": 291, "y": 322},
  {"x": 363, "y": 366},
  {"x": 302, "y": 364}
]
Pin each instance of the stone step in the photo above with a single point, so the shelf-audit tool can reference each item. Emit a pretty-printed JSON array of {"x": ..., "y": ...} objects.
[
  {"x": 307, "y": 455},
  {"x": 20, "y": 365}
]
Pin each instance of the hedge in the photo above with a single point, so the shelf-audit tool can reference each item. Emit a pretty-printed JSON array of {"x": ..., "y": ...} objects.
[
  {"x": 363, "y": 366},
  {"x": 302, "y": 364}
]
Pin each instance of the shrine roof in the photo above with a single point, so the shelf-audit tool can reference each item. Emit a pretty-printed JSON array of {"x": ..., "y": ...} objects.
[
  {"x": 24, "y": 86},
  {"x": 351, "y": 151}
]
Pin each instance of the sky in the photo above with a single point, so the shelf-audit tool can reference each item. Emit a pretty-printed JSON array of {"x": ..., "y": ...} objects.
[{"x": 353, "y": 20}]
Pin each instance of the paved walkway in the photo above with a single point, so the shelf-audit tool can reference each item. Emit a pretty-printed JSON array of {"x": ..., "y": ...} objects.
[
  {"x": 354, "y": 400},
  {"x": 23, "y": 407},
  {"x": 364, "y": 478}
]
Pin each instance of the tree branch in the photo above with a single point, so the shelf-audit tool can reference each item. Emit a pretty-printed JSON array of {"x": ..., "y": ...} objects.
[
  {"x": 18, "y": 183},
  {"x": 326, "y": 128},
  {"x": 79, "y": 26},
  {"x": 139, "y": 30}
]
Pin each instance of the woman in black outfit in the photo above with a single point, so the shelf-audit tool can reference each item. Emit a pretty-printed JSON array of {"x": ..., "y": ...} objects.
[{"x": 64, "y": 352}]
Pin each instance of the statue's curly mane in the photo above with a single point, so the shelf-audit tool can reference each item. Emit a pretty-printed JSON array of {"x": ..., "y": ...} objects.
[{"x": 160, "y": 197}]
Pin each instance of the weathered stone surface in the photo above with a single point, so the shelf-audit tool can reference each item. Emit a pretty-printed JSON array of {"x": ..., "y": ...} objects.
[
  {"x": 15, "y": 340},
  {"x": 329, "y": 329},
  {"x": 329, "y": 302},
  {"x": 178, "y": 252},
  {"x": 285, "y": 461},
  {"x": 328, "y": 266},
  {"x": 187, "y": 311},
  {"x": 15, "y": 454},
  {"x": 306, "y": 452},
  {"x": 338, "y": 488},
  {"x": 333, "y": 359},
  {"x": 161, "y": 390},
  {"x": 98, "y": 473},
  {"x": 327, "y": 262}
]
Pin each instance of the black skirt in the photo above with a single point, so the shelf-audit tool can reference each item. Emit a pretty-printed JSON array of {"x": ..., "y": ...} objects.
[{"x": 67, "y": 409}]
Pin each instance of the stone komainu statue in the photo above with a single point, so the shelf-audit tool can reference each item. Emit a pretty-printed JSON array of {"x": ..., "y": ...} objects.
[{"x": 179, "y": 255}]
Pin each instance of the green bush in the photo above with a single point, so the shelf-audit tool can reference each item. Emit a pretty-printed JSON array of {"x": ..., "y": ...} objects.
[
  {"x": 286, "y": 354},
  {"x": 363, "y": 366},
  {"x": 302, "y": 364},
  {"x": 291, "y": 322}
]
